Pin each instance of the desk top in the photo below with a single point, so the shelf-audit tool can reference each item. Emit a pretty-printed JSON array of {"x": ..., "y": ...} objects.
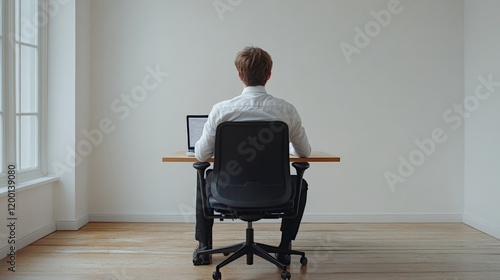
[{"x": 316, "y": 156}]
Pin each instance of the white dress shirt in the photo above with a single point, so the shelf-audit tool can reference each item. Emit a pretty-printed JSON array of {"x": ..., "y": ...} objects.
[{"x": 254, "y": 104}]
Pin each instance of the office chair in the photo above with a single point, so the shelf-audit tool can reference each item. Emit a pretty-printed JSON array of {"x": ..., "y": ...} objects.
[{"x": 250, "y": 181}]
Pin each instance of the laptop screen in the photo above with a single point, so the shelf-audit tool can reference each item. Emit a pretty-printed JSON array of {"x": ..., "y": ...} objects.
[{"x": 195, "y": 125}]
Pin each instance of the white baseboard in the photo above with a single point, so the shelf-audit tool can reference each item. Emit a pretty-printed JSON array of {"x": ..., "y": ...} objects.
[
  {"x": 72, "y": 225},
  {"x": 29, "y": 238},
  {"x": 308, "y": 218},
  {"x": 482, "y": 225},
  {"x": 383, "y": 218},
  {"x": 135, "y": 218}
]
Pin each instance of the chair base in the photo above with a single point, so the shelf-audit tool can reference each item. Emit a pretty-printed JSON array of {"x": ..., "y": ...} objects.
[{"x": 251, "y": 248}]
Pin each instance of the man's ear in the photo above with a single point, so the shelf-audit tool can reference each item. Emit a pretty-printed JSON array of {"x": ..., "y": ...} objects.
[
  {"x": 240, "y": 75},
  {"x": 269, "y": 76}
]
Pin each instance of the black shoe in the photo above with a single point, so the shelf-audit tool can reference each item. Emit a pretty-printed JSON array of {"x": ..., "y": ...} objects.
[{"x": 202, "y": 259}]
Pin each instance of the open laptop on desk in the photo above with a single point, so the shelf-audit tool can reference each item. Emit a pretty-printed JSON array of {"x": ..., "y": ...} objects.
[{"x": 195, "y": 125}]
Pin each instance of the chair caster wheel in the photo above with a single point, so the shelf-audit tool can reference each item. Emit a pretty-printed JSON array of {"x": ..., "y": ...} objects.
[
  {"x": 197, "y": 261},
  {"x": 285, "y": 275},
  {"x": 303, "y": 260},
  {"x": 216, "y": 275},
  {"x": 226, "y": 254}
]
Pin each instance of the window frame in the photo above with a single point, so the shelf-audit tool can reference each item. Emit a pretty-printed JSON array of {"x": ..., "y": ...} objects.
[{"x": 9, "y": 72}]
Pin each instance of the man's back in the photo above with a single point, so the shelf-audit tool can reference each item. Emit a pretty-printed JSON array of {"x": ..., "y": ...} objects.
[{"x": 254, "y": 104}]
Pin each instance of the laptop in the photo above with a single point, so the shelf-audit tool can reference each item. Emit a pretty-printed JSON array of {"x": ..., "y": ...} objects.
[{"x": 195, "y": 125}]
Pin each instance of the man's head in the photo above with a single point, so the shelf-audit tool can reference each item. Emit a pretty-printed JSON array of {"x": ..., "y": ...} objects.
[{"x": 254, "y": 66}]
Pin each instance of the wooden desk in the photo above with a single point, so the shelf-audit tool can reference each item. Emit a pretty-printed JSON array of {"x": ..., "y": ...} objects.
[{"x": 316, "y": 156}]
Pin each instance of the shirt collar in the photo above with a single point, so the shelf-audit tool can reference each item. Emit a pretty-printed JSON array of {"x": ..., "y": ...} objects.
[{"x": 254, "y": 89}]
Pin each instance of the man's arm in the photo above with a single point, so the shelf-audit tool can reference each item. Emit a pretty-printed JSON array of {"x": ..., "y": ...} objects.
[
  {"x": 299, "y": 144},
  {"x": 204, "y": 148}
]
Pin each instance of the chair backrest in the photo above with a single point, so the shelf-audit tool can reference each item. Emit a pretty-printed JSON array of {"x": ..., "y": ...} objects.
[{"x": 251, "y": 164}]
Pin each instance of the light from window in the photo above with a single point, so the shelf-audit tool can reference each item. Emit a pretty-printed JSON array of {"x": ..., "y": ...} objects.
[
  {"x": 26, "y": 55},
  {"x": 20, "y": 111}
]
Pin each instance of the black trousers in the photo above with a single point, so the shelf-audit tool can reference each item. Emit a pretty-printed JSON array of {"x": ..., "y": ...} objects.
[{"x": 289, "y": 227}]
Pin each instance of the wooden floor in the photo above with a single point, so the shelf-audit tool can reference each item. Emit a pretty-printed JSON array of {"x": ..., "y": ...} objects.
[{"x": 128, "y": 251}]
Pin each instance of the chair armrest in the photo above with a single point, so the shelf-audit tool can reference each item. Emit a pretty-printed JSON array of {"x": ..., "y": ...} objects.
[
  {"x": 201, "y": 167},
  {"x": 300, "y": 167}
]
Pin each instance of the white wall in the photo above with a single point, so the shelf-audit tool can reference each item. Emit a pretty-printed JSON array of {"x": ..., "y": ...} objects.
[
  {"x": 370, "y": 111},
  {"x": 68, "y": 111},
  {"x": 482, "y": 151},
  {"x": 82, "y": 104}
]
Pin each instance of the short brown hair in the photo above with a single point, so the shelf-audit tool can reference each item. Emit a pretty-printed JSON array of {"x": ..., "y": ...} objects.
[{"x": 255, "y": 66}]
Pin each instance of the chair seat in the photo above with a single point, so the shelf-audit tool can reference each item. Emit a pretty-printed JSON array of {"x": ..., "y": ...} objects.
[{"x": 220, "y": 207}]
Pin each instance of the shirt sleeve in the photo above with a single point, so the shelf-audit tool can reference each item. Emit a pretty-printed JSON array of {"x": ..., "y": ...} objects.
[
  {"x": 204, "y": 148},
  {"x": 299, "y": 144}
]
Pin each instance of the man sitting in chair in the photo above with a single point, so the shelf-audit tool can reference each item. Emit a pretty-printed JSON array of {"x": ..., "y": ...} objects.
[{"x": 254, "y": 104}]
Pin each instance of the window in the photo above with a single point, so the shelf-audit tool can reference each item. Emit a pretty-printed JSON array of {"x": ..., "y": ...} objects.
[{"x": 22, "y": 36}]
